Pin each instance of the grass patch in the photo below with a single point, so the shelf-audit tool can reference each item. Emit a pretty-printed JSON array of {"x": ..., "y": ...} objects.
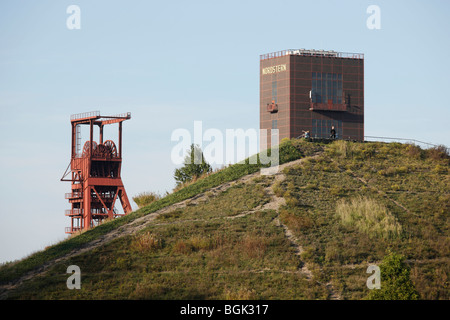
[
  {"x": 369, "y": 216},
  {"x": 145, "y": 198}
]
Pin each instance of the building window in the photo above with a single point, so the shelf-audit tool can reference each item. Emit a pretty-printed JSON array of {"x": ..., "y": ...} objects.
[
  {"x": 274, "y": 90},
  {"x": 274, "y": 124},
  {"x": 322, "y": 128},
  {"x": 325, "y": 87}
]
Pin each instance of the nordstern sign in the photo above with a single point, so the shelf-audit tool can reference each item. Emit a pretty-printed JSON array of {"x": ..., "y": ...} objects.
[{"x": 274, "y": 69}]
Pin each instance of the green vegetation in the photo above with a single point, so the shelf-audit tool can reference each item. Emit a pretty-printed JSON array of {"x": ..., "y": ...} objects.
[
  {"x": 395, "y": 280},
  {"x": 15, "y": 270},
  {"x": 399, "y": 182},
  {"x": 145, "y": 198},
  {"x": 194, "y": 166},
  {"x": 347, "y": 204}
]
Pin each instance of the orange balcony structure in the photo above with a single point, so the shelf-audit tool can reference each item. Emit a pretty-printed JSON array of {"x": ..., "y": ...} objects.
[
  {"x": 94, "y": 172},
  {"x": 272, "y": 107}
]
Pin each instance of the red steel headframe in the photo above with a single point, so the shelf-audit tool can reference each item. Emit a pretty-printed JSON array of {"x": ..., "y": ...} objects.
[{"x": 95, "y": 173}]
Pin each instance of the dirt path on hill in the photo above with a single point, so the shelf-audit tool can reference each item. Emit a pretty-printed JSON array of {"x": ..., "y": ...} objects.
[
  {"x": 142, "y": 222},
  {"x": 127, "y": 229}
]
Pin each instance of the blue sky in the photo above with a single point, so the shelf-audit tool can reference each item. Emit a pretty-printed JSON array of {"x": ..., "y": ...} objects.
[{"x": 171, "y": 63}]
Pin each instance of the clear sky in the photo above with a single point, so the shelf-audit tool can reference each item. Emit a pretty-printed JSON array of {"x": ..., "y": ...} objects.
[{"x": 170, "y": 63}]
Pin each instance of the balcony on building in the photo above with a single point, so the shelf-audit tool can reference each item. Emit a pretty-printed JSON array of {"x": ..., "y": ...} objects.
[
  {"x": 330, "y": 106},
  {"x": 272, "y": 107}
]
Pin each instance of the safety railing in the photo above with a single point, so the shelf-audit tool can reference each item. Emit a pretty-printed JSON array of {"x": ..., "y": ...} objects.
[
  {"x": 312, "y": 53},
  {"x": 91, "y": 114},
  {"x": 73, "y": 195},
  {"x": 74, "y": 212},
  {"x": 423, "y": 144},
  {"x": 328, "y": 106},
  {"x": 72, "y": 229}
]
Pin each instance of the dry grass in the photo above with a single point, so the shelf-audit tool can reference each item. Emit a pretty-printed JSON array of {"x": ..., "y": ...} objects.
[
  {"x": 253, "y": 246},
  {"x": 368, "y": 216},
  {"x": 241, "y": 294},
  {"x": 146, "y": 242},
  {"x": 145, "y": 198},
  {"x": 197, "y": 243},
  {"x": 344, "y": 149}
]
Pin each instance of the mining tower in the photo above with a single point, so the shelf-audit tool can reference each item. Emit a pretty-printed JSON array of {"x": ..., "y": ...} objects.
[{"x": 94, "y": 171}]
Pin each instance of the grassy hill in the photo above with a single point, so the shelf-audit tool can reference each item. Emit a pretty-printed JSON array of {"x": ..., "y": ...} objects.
[{"x": 308, "y": 232}]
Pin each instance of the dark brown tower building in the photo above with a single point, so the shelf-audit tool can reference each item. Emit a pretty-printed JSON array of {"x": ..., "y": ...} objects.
[{"x": 312, "y": 90}]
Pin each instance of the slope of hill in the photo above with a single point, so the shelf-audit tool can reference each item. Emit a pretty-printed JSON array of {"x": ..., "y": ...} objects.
[{"x": 308, "y": 232}]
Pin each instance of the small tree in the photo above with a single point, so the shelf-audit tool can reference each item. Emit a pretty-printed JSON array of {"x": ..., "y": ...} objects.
[
  {"x": 194, "y": 166},
  {"x": 395, "y": 280}
]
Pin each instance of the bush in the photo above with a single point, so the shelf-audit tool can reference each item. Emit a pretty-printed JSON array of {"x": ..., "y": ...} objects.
[
  {"x": 414, "y": 151},
  {"x": 277, "y": 188},
  {"x": 192, "y": 169},
  {"x": 395, "y": 280},
  {"x": 288, "y": 151},
  {"x": 438, "y": 153},
  {"x": 146, "y": 242},
  {"x": 145, "y": 198}
]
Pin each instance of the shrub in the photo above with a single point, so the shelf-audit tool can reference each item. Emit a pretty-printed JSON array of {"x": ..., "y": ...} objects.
[
  {"x": 194, "y": 166},
  {"x": 414, "y": 151},
  {"x": 295, "y": 222},
  {"x": 145, "y": 198},
  {"x": 395, "y": 280},
  {"x": 438, "y": 153},
  {"x": 146, "y": 242},
  {"x": 277, "y": 188},
  {"x": 197, "y": 243},
  {"x": 182, "y": 247},
  {"x": 253, "y": 246},
  {"x": 290, "y": 198},
  {"x": 288, "y": 151}
]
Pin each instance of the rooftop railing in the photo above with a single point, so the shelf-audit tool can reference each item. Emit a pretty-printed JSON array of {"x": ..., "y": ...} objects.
[
  {"x": 311, "y": 53},
  {"x": 91, "y": 114}
]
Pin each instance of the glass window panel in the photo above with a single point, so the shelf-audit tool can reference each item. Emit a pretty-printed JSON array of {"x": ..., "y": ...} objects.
[
  {"x": 334, "y": 76},
  {"x": 329, "y": 90},
  {"x": 314, "y": 75},
  {"x": 339, "y": 86}
]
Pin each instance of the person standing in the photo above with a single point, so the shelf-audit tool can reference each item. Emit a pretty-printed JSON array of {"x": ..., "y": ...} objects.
[{"x": 333, "y": 133}]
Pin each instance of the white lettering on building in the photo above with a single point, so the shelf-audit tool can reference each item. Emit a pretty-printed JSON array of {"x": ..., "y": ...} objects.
[{"x": 274, "y": 69}]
